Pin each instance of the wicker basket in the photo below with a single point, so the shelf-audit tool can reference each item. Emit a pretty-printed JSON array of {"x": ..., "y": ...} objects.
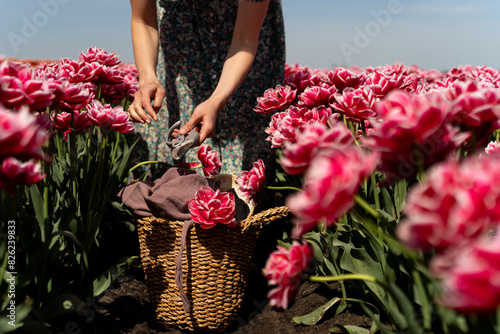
[{"x": 215, "y": 267}]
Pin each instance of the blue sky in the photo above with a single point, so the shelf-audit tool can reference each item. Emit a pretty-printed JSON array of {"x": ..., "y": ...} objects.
[{"x": 433, "y": 34}]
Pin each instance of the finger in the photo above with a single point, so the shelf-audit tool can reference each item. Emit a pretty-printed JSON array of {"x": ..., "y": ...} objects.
[
  {"x": 146, "y": 104},
  {"x": 189, "y": 126},
  {"x": 134, "y": 117},
  {"x": 158, "y": 99},
  {"x": 139, "y": 111},
  {"x": 136, "y": 109},
  {"x": 206, "y": 132}
]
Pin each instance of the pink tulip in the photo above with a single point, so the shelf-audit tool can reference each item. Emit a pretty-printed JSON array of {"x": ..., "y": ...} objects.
[
  {"x": 313, "y": 138},
  {"x": 113, "y": 93},
  {"x": 57, "y": 86},
  {"x": 486, "y": 75},
  {"x": 330, "y": 183},
  {"x": 80, "y": 122},
  {"x": 474, "y": 108},
  {"x": 14, "y": 172},
  {"x": 493, "y": 148},
  {"x": 299, "y": 81},
  {"x": 210, "y": 160},
  {"x": 12, "y": 77},
  {"x": 44, "y": 121},
  {"x": 130, "y": 80},
  {"x": 100, "y": 56},
  {"x": 109, "y": 119},
  {"x": 77, "y": 96},
  {"x": 19, "y": 86},
  {"x": 315, "y": 96},
  {"x": 412, "y": 132},
  {"x": 470, "y": 276},
  {"x": 38, "y": 93},
  {"x": 456, "y": 202},
  {"x": 21, "y": 135},
  {"x": 252, "y": 182},
  {"x": 110, "y": 75},
  {"x": 283, "y": 126},
  {"x": 278, "y": 98},
  {"x": 281, "y": 296},
  {"x": 381, "y": 84},
  {"x": 78, "y": 70},
  {"x": 210, "y": 207},
  {"x": 48, "y": 71},
  {"x": 356, "y": 104},
  {"x": 286, "y": 268},
  {"x": 342, "y": 78}
]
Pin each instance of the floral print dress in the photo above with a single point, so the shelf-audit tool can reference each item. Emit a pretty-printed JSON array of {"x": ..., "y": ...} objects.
[{"x": 195, "y": 37}]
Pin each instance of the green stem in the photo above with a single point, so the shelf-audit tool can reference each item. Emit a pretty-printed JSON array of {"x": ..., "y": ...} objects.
[
  {"x": 497, "y": 329},
  {"x": 115, "y": 148},
  {"x": 363, "y": 128},
  {"x": 375, "y": 191},
  {"x": 283, "y": 188},
  {"x": 98, "y": 97},
  {"x": 358, "y": 199},
  {"x": 95, "y": 188},
  {"x": 72, "y": 155},
  {"x": 361, "y": 277},
  {"x": 420, "y": 163},
  {"x": 146, "y": 163},
  {"x": 43, "y": 231}
]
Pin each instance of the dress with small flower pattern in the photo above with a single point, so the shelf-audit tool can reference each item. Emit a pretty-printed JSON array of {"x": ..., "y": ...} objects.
[{"x": 194, "y": 40}]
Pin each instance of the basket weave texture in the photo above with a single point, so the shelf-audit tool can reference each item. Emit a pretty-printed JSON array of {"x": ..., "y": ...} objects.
[{"x": 215, "y": 267}]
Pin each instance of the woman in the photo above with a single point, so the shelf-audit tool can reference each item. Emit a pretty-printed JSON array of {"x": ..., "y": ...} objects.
[{"x": 211, "y": 59}]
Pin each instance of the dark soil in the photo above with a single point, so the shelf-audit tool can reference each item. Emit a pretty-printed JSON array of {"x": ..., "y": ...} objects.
[{"x": 125, "y": 308}]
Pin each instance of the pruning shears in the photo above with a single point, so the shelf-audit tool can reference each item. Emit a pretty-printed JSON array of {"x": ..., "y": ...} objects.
[{"x": 183, "y": 143}]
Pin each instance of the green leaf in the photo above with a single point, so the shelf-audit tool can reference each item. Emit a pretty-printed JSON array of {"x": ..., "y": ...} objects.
[
  {"x": 61, "y": 304},
  {"x": 56, "y": 174},
  {"x": 388, "y": 202},
  {"x": 387, "y": 217},
  {"x": 22, "y": 311},
  {"x": 422, "y": 299},
  {"x": 69, "y": 235},
  {"x": 121, "y": 169},
  {"x": 104, "y": 281},
  {"x": 314, "y": 238},
  {"x": 405, "y": 306},
  {"x": 120, "y": 207},
  {"x": 349, "y": 330},
  {"x": 329, "y": 264},
  {"x": 37, "y": 202},
  {"x": 315, "y": 316},
  {"x": 376, "y": 324},
  {"x": 400, "y": 196}
]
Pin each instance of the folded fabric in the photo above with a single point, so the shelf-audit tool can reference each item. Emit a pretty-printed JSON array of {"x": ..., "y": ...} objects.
[{"x": 167, "y": 196}]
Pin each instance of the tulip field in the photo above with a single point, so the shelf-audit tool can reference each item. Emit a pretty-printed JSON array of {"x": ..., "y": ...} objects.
[{"x": 391, "y": 175}]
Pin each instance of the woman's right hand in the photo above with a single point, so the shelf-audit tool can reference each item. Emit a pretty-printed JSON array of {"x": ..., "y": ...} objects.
[{"x": 141, "y": 110}]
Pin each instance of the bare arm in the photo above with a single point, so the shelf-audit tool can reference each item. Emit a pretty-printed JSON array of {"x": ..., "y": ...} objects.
[
  {"x": 238, "y": 62},
  {"x": 144, "y": 28}
]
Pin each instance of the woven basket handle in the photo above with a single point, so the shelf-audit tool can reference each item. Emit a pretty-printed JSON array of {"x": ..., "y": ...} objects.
[{"x": 263, "y": 218}]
